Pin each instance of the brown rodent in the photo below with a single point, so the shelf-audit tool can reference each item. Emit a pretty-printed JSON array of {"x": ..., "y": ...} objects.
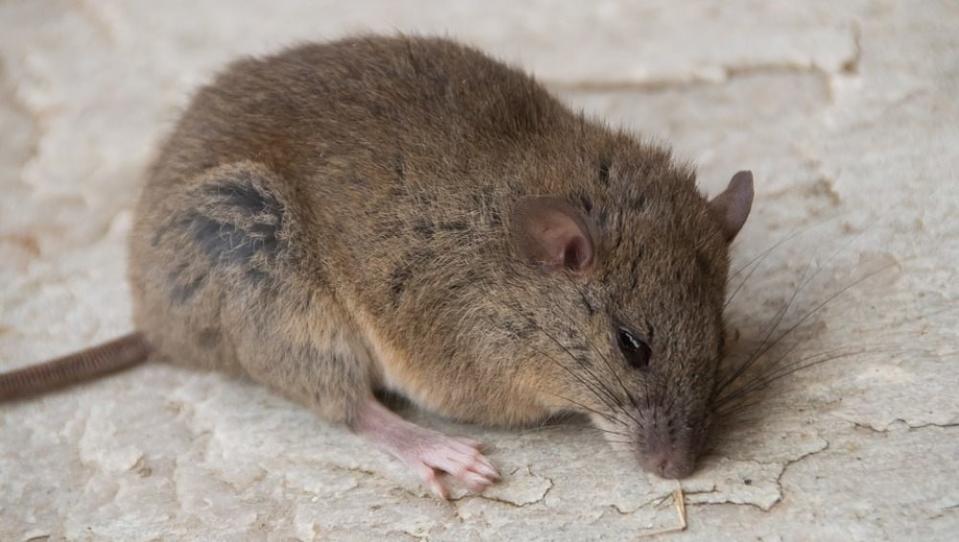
[{"x": 407, "y": 214}]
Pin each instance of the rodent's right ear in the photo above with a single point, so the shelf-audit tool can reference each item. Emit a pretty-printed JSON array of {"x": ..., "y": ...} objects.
[
  {"x": 549, "y": 232},
  {"x": 731, "y": 208}
]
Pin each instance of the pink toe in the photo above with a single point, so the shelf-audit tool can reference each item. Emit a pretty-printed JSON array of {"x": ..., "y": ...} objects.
[
  {"x": 475, "y": 482},
  {"x": 432, "y": 481}
]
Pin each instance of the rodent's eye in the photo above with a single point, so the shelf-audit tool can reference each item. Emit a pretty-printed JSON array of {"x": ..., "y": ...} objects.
[{"x": 635, "y": 350}]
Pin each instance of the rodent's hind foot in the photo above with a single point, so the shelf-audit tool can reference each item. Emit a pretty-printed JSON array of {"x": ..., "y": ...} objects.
[{"x": 429, "y": 453}]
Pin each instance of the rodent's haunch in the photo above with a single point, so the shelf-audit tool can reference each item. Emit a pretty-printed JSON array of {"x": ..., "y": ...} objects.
[{"x": 408, "y": 214}]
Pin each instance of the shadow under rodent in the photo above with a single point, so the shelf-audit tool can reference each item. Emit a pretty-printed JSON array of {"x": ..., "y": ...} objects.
[{"x": 407, "y": 214}]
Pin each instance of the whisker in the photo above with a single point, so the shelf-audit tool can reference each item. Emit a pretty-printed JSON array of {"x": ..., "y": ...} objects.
[
  {"x": 616, "y": 403},
  {"x": 758, "y": 260},
  {"x": 619, "y": 433},
  {"x": 607, "y": 362},
  {"x": 766, "y": 366},
  {"x": 790, "y": 369},
  {"x": 817, "y": 308},
  {"x": 804, "y": 282},
  {"x": 777, "y": 320},
  {"x": 791, "y": 235},
  {"x": 608, "y": 417},
  {"x": 762, "y": 380},
  {"x": 579, "y": 378}
]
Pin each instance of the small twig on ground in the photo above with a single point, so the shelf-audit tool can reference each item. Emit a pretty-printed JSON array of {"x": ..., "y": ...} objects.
[{"x": 679, "y": 501}]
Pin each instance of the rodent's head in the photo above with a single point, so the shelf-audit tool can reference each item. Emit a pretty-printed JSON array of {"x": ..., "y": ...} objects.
[{"x": 625, "y": 321}]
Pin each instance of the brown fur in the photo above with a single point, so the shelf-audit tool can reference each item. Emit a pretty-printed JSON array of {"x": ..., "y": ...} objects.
[{"x": 336, "y": 219}]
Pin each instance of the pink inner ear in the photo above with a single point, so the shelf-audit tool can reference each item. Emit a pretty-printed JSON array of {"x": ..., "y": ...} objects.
[
  {"x": 578, "y": 254},
  {"x": 550, "y": 232}
]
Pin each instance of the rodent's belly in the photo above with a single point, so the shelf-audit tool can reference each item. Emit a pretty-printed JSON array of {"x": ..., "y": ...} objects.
[
  {"x": 471, "y": 398},
  {"x": 509, "y": 413}
]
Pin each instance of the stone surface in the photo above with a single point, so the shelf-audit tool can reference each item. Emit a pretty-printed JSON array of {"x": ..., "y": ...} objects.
[{"x": 846, "y": 113}]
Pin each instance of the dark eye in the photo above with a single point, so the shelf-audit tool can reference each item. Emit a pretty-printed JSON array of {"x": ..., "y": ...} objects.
[{"x": 635, "y": 350}]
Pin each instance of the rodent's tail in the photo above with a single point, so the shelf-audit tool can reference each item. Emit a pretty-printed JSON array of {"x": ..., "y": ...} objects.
[{"x": 117, "y": 354}]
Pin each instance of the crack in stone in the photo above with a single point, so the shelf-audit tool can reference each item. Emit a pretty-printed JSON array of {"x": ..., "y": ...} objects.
[
  {"x": 898, "y": 422},
  {"x": 786, "y": 466},
  {"x": 513, "y": 504},
  {"x": 726, "y": 498},
  {"x": 728, "y": 73},
  {"x": 851, "y": 65},
  {"x": 944, "y": 511},
  {"x": 728, "y": 503},
  {"x": 509, "y": 503},
  {"x": 355, "y": 470},
  {"x": 931, "y": 424},
  {"x": 847, "y": 66}
]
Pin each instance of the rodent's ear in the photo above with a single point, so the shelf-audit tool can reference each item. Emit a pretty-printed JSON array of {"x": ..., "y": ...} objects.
[
  {"x": 549, "y": 232},
  {"x": 732, "y": 206}
]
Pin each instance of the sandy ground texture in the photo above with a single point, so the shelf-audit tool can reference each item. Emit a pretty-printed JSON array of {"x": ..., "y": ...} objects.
[{"x": 845, "y": 111}]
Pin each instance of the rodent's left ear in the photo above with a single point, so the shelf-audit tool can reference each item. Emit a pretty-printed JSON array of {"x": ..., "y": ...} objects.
[
  {"x": 732, "y": 206},
  {"x": 550, "y": 232}
]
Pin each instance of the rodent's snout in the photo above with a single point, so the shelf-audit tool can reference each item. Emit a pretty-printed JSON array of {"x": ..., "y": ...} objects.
[{"x": 666, "y": 453}]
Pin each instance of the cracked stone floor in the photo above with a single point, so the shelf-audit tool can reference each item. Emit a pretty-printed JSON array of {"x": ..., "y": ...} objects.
[{"x": 845, "y": 111}]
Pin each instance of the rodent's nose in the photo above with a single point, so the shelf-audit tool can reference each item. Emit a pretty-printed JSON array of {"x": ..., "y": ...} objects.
[
  {"x": 669, "y": 443},
  {"x": 667, "y": 458},
  {"x": 669, "y": 465}
]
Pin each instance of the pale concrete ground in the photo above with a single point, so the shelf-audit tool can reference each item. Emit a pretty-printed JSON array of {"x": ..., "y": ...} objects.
[{"x": 845, "y": 111}]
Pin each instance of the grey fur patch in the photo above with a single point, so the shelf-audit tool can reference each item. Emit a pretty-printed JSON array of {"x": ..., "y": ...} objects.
[
  {"x": 241, "y": 195},
  {"x": 240, "y": 227},
  {"x": 236, "y": 225},
  {"x": 183, "y": 285},
  {"x": 209, "y": 337},
  {"x": 222, "y": 242}
]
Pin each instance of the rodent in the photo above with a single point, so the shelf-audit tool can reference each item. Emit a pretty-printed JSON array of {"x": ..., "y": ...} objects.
[{"x": 408, "y": 214}]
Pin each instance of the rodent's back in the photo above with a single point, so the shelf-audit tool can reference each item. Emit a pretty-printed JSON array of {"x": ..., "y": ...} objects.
[
  {"x": 384, "y": 140},
  {"x": 361, "y": 100}
]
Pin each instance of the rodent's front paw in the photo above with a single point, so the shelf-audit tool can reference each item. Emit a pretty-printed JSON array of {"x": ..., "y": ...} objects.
[
  {"x": 433, "y": 454},
  {"x": 429, "y": 453}
]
